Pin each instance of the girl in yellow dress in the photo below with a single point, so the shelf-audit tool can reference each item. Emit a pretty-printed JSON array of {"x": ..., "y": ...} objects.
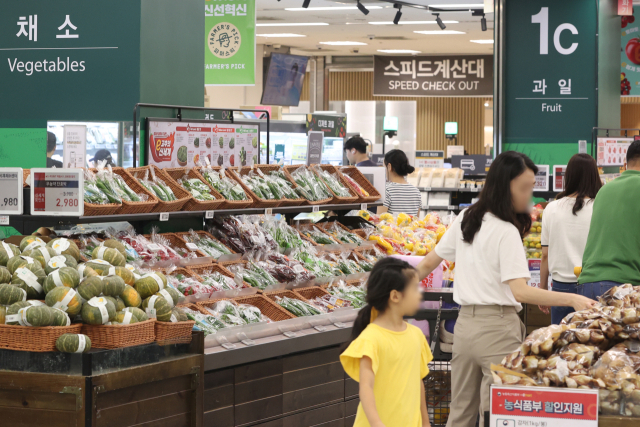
[{"x": 387, "y": 356}]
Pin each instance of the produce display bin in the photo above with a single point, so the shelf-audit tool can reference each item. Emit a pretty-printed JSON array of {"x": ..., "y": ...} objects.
[
  {"x": 182, "y": 195},
  {"x": 134, "y": 207},
  {"x": 262, "y": 203},
  {"x": 338, "y": 199},
  {"x": 194, "y": 204},
  {"x": 355, "y": 174},
  {"x": 288, "y": 171},
  {"x": 228, "y": 204}
]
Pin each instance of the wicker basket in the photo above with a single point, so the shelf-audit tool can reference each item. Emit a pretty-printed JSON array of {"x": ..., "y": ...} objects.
[
  {"x": 184, "y": 271},
  {"x": 325, "y": 226},
  {"x": 226, "y": 264},
  {"x": 228, "y": 204},
  {"x": 184, "y": 234},
  {"x": 213, "y": 268},
  {"x": 174, "y": 333},
  {"x": 194, "y": 204},
  {"x": 262, "y": 203},
  {"x": 177, "y": 242},
  {"x": 36, "y": 339},
  {"x": 311, "y": 292},
  {"x": 288, "y": 171},
  {"x": 303, "y": 227},
  {"x": 118, "y": 336},
  {"x": 128, "y": 208},
  {"x": 336, "y": 199},
  {"x": 267, "y": 307},
  {"x": 272, "y": 295},
  {"x": 363, "y": 182},
  {"x": 182, "y": 195}
]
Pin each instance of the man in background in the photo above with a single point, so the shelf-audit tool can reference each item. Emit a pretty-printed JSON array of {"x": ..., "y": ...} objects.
[
  {"x": 51, "y": 148},
  {"x": 103, "y": 155},
  {"x": 356, "y": 149},
  {"x": 611, "y": 255}
]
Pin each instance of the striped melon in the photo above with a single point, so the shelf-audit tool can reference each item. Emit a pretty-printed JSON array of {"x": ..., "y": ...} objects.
[
  {"x": 40, "y": 315},
  {"x": 5, "y": 275},
  {"x": 31, "y": 242},
  {"x": 10, "y": 294},
  {"x": 150, "y": 284},
  {"x": 157, "y": 307},
  {"x": 100, "y": 266},
  {"x": 42, "y": 254},
  {"x": 60, "y": 261},
  {"x": 113, "y": 286},
  {"x": 16, "y": 306},
  {"x": 138, "y": 313},
  {"x": 112, "y": 256},
  {"x": 85, "y": 271},
  {"x": 112, "y": 243},
  {"x": 90, "y": 287},
  {"x": 30, "y": 278},
  {"x": 73, "y": 343},
  {"x": 60, "y": 318},
  {"x": 64, "y": 246},
  {"x": 66, "y": 299},
  {"x": 126, "y": 274},
  {"x": 98, "y": 311},
  {"x": 177, "y": 315},
  {"x": 131, "y": 297},
  {"x": 19, "y": 261},
  {"x": 65, "y": 276},
  {"x": 171, "y": 295},
  {"x": 7, "y": 251},
  {"x": 125, "y": 318}
]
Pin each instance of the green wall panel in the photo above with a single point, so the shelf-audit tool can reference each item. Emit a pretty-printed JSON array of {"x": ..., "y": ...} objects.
[{"x": 21, "y": 147}]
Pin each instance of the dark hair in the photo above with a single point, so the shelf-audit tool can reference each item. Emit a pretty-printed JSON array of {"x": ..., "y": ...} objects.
[
  {"x": 496, "y": 195},
  {"x": 294, "y": 67},
  {"x": 633, "y": 153},
  {"x": 51, "y": 141},
  {"x": 399, "y": 162},
  {"x": 582, "y": 179},
  {"x": 388, "y": 274},
  {"x": 356, "y": 142}
]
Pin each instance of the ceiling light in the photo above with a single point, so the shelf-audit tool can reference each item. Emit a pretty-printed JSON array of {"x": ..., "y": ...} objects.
[
  {"x": 328, "y": 8},
  {"x": 305, "y": 3},
  {"x": 439, "y": 21},
  {"x": 292, "y": 24},
  {"x": 482, "y": 41},
  {"x": 439, "y": 32},
  {"x": 483, "y": 23},
  {"x": 362, "y": 9},
  {"x": 281, "y": 35},
  {"x": 344, "y": 43},
  {"x": 398, "y": 13},
  {"x": 486, "y": 104},
  {"x": 456, "y": 6},
  {"x": 398, "y": 51},
  {"x": 411, "y": 22}
]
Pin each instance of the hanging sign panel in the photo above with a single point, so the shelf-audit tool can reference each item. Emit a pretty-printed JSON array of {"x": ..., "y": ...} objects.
[
  {"x": 57, "y": 192},
  {"x": 74, "y": 147},
  {"x": 612, "y": 151}
]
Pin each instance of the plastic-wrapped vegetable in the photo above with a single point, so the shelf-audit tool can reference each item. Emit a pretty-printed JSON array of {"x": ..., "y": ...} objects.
[
  {"x": 361, "y": 191},
  {"x": 298, "y": 307},
  {"x": 618, "y": 368},
  {"x": 319, "y": 267},
  {"x": 157, "y": 186},
  {"x": 254, "y": 275},
  {"x": 230, "y": 189},
  {"x": 342, "y": 235},
  {"x": 332, "y": 182},
  {"x": 315, "y": 234},
  {"x": 106, "y": 183},
  {"x": 197, "y": 188},
  {"x": 92, "y": 193},
  {"x": 356, "y": 295},
  {"x": 206, "y": 244},
  {"x": 285, "y": 186},
  {"x": 308, "y": 185},
  {"x": 217, "y": 281},
  {"x": 242, "y": 234},
  {"x": 623, "y": 296},
  {"x": 208, "y": 324},
  {"x": 286, "y": 236}
]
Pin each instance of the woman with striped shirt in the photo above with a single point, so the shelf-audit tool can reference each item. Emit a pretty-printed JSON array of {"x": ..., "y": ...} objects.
[{"x": 399, "y": 196}]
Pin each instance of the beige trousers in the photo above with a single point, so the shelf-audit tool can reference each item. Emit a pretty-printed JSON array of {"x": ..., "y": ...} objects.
[{"x": 483, "y": 335}]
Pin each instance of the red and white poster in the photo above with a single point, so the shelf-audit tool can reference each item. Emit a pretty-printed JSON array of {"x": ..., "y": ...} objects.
[
  {"x": 625, "y": 7},
  {"x": 179, "y": 144},
  {"x": 559, "y": 171},
  {"x": 612, "y": 151},
  {"x": 162, "y": 144},
  {"x": 543, "y": 407}
]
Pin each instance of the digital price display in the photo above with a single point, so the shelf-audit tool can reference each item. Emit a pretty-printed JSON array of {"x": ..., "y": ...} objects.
[
  {"x": 57, "y": 192},
  {"x": 11, "y": 191}
]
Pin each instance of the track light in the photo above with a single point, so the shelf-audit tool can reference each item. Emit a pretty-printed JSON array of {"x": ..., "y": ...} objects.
[
  {"x": 439, "y": 21},
  {"x": 305, "y": 3},
  {"x": 363, "y": 9},
  {"x": 396, "y": 20},
  {"x": 483, "y": 23}
]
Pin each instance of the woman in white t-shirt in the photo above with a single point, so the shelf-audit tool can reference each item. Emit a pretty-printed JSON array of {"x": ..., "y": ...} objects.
[
  {"x": 565, "y": 227},
  {"x": 491, "y": 273}
]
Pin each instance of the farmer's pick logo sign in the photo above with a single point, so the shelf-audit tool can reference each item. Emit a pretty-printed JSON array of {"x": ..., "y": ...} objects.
[{"x": 224, "y": 40}]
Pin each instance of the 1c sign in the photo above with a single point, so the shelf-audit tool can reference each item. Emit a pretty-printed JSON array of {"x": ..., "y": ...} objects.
[{"x": 542, "y": 18}]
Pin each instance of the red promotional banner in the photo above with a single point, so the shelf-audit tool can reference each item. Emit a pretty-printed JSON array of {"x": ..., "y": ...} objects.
[{"x": 625, "y": 7}]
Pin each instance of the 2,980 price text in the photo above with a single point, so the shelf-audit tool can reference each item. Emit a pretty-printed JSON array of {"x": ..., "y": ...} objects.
[
  {"x": 67, "y": 202},
  {"x": 9, "y": 201}
]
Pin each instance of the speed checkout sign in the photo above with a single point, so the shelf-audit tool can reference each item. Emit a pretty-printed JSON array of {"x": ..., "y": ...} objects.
[{"x": 57, "y": 192}]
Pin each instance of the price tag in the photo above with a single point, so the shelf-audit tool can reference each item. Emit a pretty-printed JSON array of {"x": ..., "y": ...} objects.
[
  {"x": 4, "y": 219},
  {"x": 249, "y": 342},
  {"x": 427, "y": 189},
  {"x": 10, "y": 193},
  {"x": 452, "y": 208},
  {"x": 290, "y": 334},
  {"x": 57, "y": 192},
  {"x": 164, "y": 216},
  {"x": 320, "y": 328},
  {"x": 268, "y": 211},
  {"x": 315, "y": 208},
  {"x": 153, "y": 247},
  {"x": 192, "y": 246},
  {"x": 229, "y": 345},
  {"x": 363, "y": 207},
  {"x": 340, "y": 325},
  {"x": 208, "y": 214},
  {"x": 475, "y": 190}
]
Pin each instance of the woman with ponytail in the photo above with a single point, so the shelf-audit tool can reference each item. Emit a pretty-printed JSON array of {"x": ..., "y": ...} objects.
[
  {"x": 399, "y": 195},
  {"x": 387, "y": 356}
]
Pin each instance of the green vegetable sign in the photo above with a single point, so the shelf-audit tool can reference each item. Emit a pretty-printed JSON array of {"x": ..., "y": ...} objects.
[{"x": 230, "y": 42}]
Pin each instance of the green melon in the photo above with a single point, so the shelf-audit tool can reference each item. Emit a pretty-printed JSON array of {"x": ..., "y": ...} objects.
[
  {"x": 30, "y": 278},
  {"x": 171, "y": 295},
  {"x": 60, "y": 318},
  {"x": 100, "y": 266},
  {"x": 125, "y": 318},
  {"x": 64, "y": 246},
  {"x": 92, "y": 314},
  {"x": 126, "y": 274},
  {"x": 150, "y": 284},
  {"x": 65, "y": 276},
  {"x": 10, "y": 294},
  {"x": 66, "y": 299},
  {"x": 113, "y": 286},
  {"x": 42, "y": 254},
  {"x": 85, "y": 271},
  {"x": 112, "y": 256},
  {"x": 19, "y": 261},
  {"x": 90, "y": 287},
  {"x": 7, "y": 251},
  {"x": 157, "y": 307},
  {"x": 177, "y": 315},
  {"x": 31, "y": 242},
  {"x": 5, "y": 275},
  {"x": 138, "y": 313},
  {"x": 60, "y": 261},
  {"x": 16, "y": 306},
  {"x": 112, "y": 243},
  {"x": 131, "y": 297},
  {"x": 73, "y": 343}
]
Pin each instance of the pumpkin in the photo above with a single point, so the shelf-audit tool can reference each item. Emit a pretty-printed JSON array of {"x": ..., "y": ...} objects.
[
  {"x": 19, "y": 261},
  {"x": 131, "y": 297},
  {"x": 64, "y": 246},
  {"x": 126, "y": 274},
  {"x": 15, "y": 307},
  {"x": 73, "y": 343},
  {"x": 66, "y": 299},
  {"x": 31, "y": 242},
  {"x": 171, "y": 295},
  {"x": 98, "y": 311},
  {"x": 41, "y": 254},
  {"x": 125, "y": 318},
  {"x": 134, "y": 270},
  {"x": 150, "y": 284},
  {"x": 112, "y": 256},
  {"x": 100, "y": 266},
  {"x": 157, "y": 307},
  {"x": 5, "y": 275},
  {"x": 59, "y": 261},
  {"x": 3, "y": 314},
  {"x": 10, "y": 294},
  {"x": 117, "y": 302},
  {"x": 7, "y": 251},
  {"x": 39, "y": 315},
  {"x": 177, "y": 315},
  {"x": 137, "y": 313},
  {"x": 30, "y": 278},
  {"x": 113, "y": 243},
  {"x": 60, "y": 318},
  {"x": 90, "y": 287},
  {"x": 112, "y": 286},
  {"x": 85, "y": 271},
  {"x": 65, "y": 276}
]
